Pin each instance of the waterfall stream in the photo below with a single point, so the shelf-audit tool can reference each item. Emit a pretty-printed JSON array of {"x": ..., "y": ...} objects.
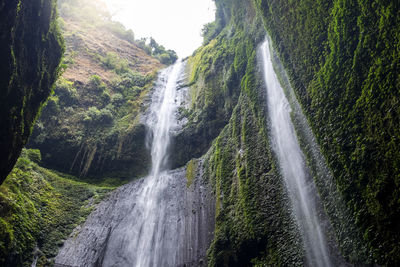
[
  {"x": 146, "y": 239},
  {"x": 154, "y": 221},
  {"x": 292, "y": 164}
]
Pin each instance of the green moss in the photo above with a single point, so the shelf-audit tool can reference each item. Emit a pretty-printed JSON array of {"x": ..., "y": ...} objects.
[
  {"x": 191, "y": 170},
  {"x": 215, "y": 71},
  {"x": 31, "y": 48},
  {"x": 250, "y": 197},
  {"x": 348, "y": 93},
  {"x": 40, "y": 208}
]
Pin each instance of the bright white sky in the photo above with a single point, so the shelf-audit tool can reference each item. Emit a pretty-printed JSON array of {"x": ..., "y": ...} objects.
[{"x": 175, "y": 24}]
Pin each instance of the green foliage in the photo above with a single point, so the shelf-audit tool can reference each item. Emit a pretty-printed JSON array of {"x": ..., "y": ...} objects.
[
  {"x": 209, "y": 31},
  {"x": 113, "y": 62},
  {"x": 215, "y": 73},
  {"x": 250, "y": 196},
  {"x": 119, "y": 30},
  {"x": 117, "y": 99},
  {"x": 350, "y": 95},
  {"x": 39, "y": 208},
  {"x": 92, "y": 14},
  {"x": 95, "y": 130},
  {"x": 165, "y": 56},
  {"x": 95, "y": 81},
  {"x": 96, "y": 117},
  {"x": 33, "y": 155},
  {"x": 66, "y": 91},
  {"x": 142, "y": 44},
  {"x": 52, "y": 104}
]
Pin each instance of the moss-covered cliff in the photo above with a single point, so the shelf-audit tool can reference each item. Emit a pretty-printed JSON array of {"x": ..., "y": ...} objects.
[
  {"x": 343, "y": 59},
  {"x": 39, "y": 208},
  {"x": 30, "y": 51},
  {"x": 254, "y": 225}
]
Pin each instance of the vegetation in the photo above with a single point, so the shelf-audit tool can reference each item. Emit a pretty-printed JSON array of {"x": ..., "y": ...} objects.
[
  {"x": 215, "y": 73},
  {"x": 87, "y": 126},
  {"x": 153, "y": 48},
  {"x": 39, "y": 208},
  {"x": 250, "y": 196},
  {"x": 350, "y": 94},
  {"x": 93, "y": 14},
  {"x": 191, "y": 170},
  {"x": 91, "y": 125},
  {"x": 343, "y": 60}
]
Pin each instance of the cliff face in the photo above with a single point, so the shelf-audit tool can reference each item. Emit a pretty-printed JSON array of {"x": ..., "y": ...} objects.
[
  {"x": 228, "y": 99},
  {"x": 39, "y": 209},
  {"x": 30, "y": 51},
  {"x": 91, "y": 126},
  {"x": 343, "y": 60}
]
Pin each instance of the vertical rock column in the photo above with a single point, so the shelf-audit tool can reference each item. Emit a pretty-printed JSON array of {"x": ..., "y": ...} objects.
[{"x": 30, "y": 51}]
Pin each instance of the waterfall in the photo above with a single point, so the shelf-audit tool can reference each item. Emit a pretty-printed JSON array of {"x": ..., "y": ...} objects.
[
  {"x": 292, "y": 165},
  {"x": 145, "y": 241},
  {"x": 153, "y": 221}
]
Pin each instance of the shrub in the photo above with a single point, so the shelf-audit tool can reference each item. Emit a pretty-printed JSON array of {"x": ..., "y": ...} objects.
[
  {"x": 113, "y": 62},
  {"x": 34, "y": 155},
  {"x": 94, "y": 116},
  {"x": 95, "y": 81},
  {"x": 117, "y": 99},
  {"x": 66, "y": 91},
  {"x": 105, "y": 96}
]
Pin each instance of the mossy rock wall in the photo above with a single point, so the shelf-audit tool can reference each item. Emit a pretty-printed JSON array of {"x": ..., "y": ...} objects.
[
  {"x": 343, "y": 60},
  {"x": 215, "y": 72},
  {"x": 30, "y": 51},
  {"x": 39, "y": 208},
  {"x": 254, "y": 222}
]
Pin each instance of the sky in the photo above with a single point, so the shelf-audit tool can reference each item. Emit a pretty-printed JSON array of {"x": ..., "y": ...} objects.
[{"x": 175, "y": 24}]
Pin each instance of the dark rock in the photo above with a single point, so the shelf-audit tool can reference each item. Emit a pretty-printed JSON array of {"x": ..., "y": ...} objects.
[{"x": 30, "y": 51}]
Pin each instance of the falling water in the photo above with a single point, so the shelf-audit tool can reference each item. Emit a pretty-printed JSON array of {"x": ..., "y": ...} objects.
[
  {"x": 153, "y": 221},
  {"x": 145, "y": 241},
  {"x": 292, "y": 165}
]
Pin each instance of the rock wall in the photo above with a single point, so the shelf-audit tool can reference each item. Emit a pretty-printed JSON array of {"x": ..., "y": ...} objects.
[
  {"x": 30, "y": 51},
  {"x": 343, "y": 61}
]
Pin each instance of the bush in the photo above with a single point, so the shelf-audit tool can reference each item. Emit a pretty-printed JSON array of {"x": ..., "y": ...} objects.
[
  {"x": 168, "y": 57},
  {"x": 34, "y": 155},
  {"x": 95, "y": 116},
  {"x": 99, "y": 86},
  {"x": 209, "y": 32},
  {"x": 105, "y": 96},
  {"x": 66, "y": 91},
  {"x": 117, "y": 99},
  {"x": 105, "y": 116},
  {"x": 134, "y": 79},
  {"x": 95, "y": 81},
  {"x": 113, "y": 62}
]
